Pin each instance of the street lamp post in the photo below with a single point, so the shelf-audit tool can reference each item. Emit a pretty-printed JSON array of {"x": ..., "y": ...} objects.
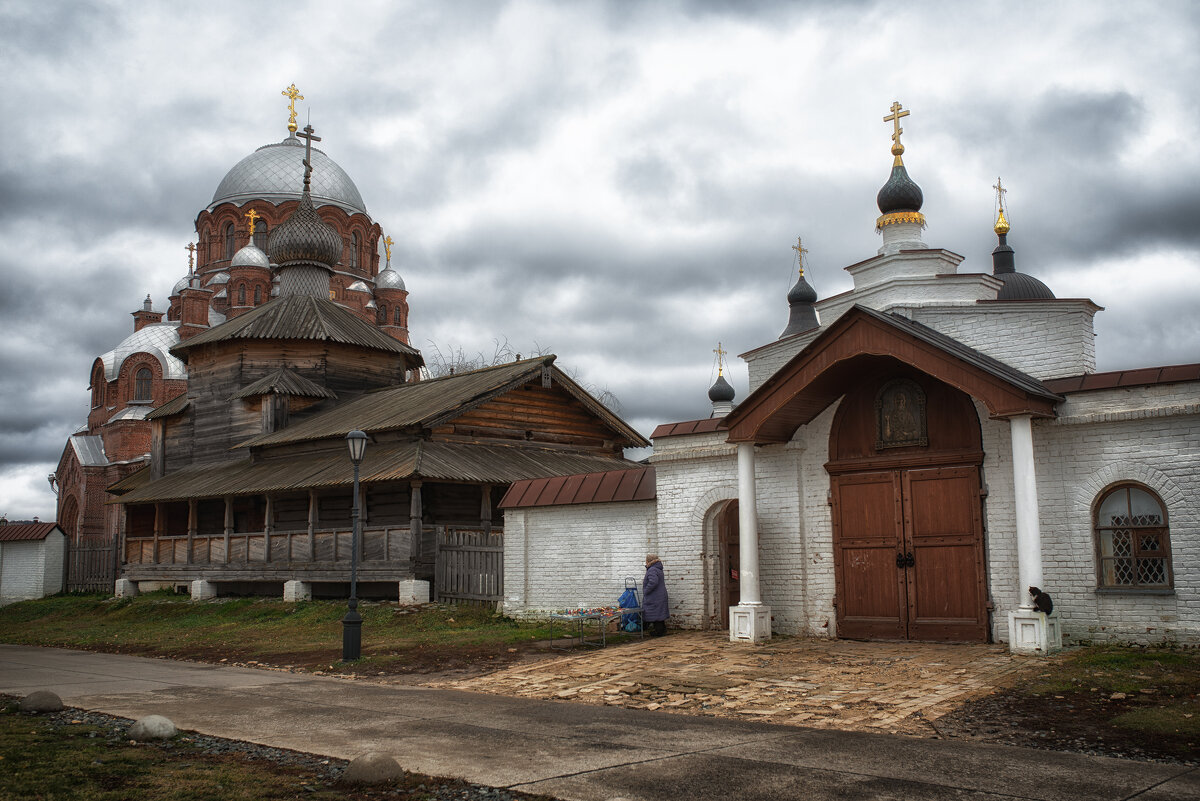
[{"x": 352, "y": 622}]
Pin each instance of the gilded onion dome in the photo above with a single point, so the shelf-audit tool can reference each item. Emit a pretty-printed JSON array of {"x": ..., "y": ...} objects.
[
  {"x": 899, "y": 199},
  {"x": 1017, "y": 286}
]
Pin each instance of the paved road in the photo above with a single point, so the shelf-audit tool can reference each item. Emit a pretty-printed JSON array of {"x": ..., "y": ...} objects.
[{"x": 573, "y": 751}]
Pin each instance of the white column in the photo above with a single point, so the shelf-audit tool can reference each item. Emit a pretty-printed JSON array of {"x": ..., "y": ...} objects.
[
  {"x": 750, "y": 620},
  {"x": 747, "y": 527},
  {"x": 1029, "y": 533},
  {"x": 1029, "y": 631}
]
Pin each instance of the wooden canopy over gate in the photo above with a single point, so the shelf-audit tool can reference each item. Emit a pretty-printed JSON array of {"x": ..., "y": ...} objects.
[{"x": 862, "y": 339}]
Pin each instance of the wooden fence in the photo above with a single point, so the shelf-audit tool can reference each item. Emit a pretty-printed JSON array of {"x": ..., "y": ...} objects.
[
  {"x": 91, "y": 565},
  {"x": 285, "y": 547},
  {"x": 469, "y": 566}
]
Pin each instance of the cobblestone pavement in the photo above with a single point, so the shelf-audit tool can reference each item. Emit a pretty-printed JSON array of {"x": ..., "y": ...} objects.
[{"x": 839, "y": 684}]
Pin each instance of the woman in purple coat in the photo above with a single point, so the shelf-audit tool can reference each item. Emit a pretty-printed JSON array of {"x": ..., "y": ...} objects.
[{"x": 654, "y": 597}]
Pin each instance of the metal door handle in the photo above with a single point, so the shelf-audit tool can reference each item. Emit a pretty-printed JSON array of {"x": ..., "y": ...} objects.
[
  {"x": 900, "y": 560},
  {"x": 909, "y": 561}
]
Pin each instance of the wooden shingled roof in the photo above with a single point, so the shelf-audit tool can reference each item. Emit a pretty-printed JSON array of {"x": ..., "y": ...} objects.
[
  {"x": 285, "y": 382},
  {"x": 609, "y": 486},
  {"x": 300, "y": 317},
  {"x": 174, "y": 406},
  {"x": 391, "y": 461},
  {"x": 434, "y": 401}
]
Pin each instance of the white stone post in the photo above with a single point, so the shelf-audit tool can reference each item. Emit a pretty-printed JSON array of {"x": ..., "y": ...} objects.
[
  {"x": 749, "y": 621},
  {"x": 1029, "y": 631}
]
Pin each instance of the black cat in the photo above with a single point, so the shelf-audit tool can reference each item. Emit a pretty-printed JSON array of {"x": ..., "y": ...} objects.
[{"x": 1041, "y": 600}]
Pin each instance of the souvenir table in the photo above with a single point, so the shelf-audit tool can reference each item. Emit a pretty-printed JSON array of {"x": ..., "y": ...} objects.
[{"x": 581, "y": 620}]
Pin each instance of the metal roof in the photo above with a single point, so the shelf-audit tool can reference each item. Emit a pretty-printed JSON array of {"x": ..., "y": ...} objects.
[
  {"x": 392, "y": 461},
  {"x": 610, "y": 486},
  {"x": 275, "y": 172},
  {"x": 157, "y": 340},
  {"x": 301, "y": 317},
  {"x": 1141, "y": 377},
  {"x": 172, "y": 407},
  {"x": 437, "y": 400},
  {"x": 705, "y": 426},
  {"x": 89, "y": 449},
  {"x": 285, "y": 382},
  {"x": 27, "y": 532}
]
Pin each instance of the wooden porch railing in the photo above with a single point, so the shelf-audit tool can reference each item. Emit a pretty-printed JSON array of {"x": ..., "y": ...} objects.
[{"x": 379, "y": 544}]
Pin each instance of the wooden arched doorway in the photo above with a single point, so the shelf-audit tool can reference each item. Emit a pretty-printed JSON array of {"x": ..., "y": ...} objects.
[
  {"x": 905, "y": 451},
  {"x": 727, "y": 559}
]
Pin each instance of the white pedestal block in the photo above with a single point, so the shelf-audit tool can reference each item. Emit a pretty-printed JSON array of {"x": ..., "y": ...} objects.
[
  {"x": 203, "y": 590},
  {"x": 1033, "y": 632},
  {"x": 749, "y": 623},
  {"x": 124, "y": 588},
  {"x": 297, "y": 591},
  {"x": 413, "y": 591}
]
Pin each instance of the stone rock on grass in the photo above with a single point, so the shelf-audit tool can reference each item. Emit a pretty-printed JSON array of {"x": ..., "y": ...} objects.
[
  {"x": 40, "y": 701},
  {"x": 152, "y": 727},
  {"x": 372, "y": 768}
]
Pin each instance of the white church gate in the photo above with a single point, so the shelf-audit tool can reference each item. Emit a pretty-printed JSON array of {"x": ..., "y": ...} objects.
[{"x": 469, "y": 566}]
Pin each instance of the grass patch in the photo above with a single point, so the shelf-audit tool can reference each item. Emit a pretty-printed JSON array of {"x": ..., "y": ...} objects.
[
  {"x": 1115, "y": 669},
  {"x": 304, "y": 634},
  {"x": 1178, "y": 719}
]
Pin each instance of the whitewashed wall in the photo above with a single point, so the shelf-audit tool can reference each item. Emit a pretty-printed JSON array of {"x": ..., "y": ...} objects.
[
  {"x": 31, "y": 569},
  {"x": 578, "y": 555}
]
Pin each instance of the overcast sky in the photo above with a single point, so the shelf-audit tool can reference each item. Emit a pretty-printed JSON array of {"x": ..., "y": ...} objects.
[{"x": 618, "y": 183}]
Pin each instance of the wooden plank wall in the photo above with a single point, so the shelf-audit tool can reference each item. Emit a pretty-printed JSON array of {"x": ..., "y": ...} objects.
[
  {"x": 470, "y": 566},
  {"x": 533, "y": 413}
]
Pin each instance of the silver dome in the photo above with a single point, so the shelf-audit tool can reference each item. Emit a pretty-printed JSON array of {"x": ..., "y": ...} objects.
[
  {"x": 389, "y": 279},
  {"x": 275, "y": 173},
  {"x": 358, "y": 286},
  {"x": 180, "y": 285},
  {"x": 153, "y": 339},
  {"x": 371, "y": 304},
  {"x": 250, "y": 256},
  {"x": 220, "y": 278}
]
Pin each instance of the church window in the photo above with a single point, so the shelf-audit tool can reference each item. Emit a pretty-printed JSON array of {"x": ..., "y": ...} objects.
[
  {"x": 98, "y": 389},
  {"x": 242, "y": 295},
  {"x": 354, "y": 250},
  {"x": 230, "y": 241},
  {"x": 381, "y": 315},
  {"x": 1132, "y": 540},
  {"x": 143, "y": 385},
  {"x": 260, "y": 234},
  {"x": 397, "y": 313},
  {"x": 257, "y": 295}
]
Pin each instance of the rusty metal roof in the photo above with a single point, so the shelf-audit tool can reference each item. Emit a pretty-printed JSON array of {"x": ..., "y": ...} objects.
[
  {"x": 435, "y": 401},
  {"x": 705, "y": 426},
  {"x": 1145, "y": 376},
  {"x": 610, "y": 486},
  {"x": 27, "y": 532},
  {"x": 392, "y": 461},
  {"x": 177, "y": 404},
  {"x": 285, "y": 382},
  {"x": 300, "y": 317}
]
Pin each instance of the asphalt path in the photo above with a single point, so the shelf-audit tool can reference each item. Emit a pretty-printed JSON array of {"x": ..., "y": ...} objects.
[{"x": 573, "y": 751}]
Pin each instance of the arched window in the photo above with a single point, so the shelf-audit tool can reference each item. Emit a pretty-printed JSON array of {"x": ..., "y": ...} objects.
[
  {"x": 1132, "y": 540},
  {"x": 230, "y": 241},
  {"x": 381, "y": 315},
  {"x": 257, "y": 295},
  {"x": 143, "y": 385},
  {"x": 260, "y": 234},
  {"x": 98, "y": 388},
  {"x": 354, "y": 250},
  {"x": 242, "y": 295},
  {"x": 397, "y": 313}
]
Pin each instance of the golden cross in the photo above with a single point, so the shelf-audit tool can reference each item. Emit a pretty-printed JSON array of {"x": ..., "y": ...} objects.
[
  {"x": 252, "y": 215},
  {"x": 293, "y": 95},
  {"x": 894, "y": 118},
  {"x": 720, "y": 359},
  {"x": 800, "y": 251},
  {"x": 1000, "y": 192},
  {"x": 191, "y": 249},
  {"x": 387, "y": 248}
]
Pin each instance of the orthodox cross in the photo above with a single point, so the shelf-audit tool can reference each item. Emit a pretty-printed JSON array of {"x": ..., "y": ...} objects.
[
  {"x": 309, "y": 137},
  {"x": 191, "y": 249},
  {"x": 894, "y": 118},
  {"x": 293, "y": 95},
  {"x": 720, "y": 359},
  {"x": 1000, "y": 192},
  {"x": 387, "y": 248},
  {"x": 252, "y": 215},
  {"x": 800, "y": 251}
]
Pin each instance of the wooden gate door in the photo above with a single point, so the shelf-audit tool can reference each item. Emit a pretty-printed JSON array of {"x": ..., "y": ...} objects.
[
  {"x": 729, "y": 557},
  {"x": 908, "y": 555}
]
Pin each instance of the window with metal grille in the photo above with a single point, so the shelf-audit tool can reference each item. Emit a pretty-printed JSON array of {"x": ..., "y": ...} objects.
[
  {"x": 143, "y": 384},
  {"x": 257, "y": 295},
  {"x": 354, "y": 245},
  {"x": 230, "y": 244},
  {"x": 260, "y": 235},
  {"x": 1132, "y": 539}
]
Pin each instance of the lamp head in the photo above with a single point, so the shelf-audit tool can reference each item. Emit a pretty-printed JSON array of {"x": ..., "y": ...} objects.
[{"x": 357, "y": 441}]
